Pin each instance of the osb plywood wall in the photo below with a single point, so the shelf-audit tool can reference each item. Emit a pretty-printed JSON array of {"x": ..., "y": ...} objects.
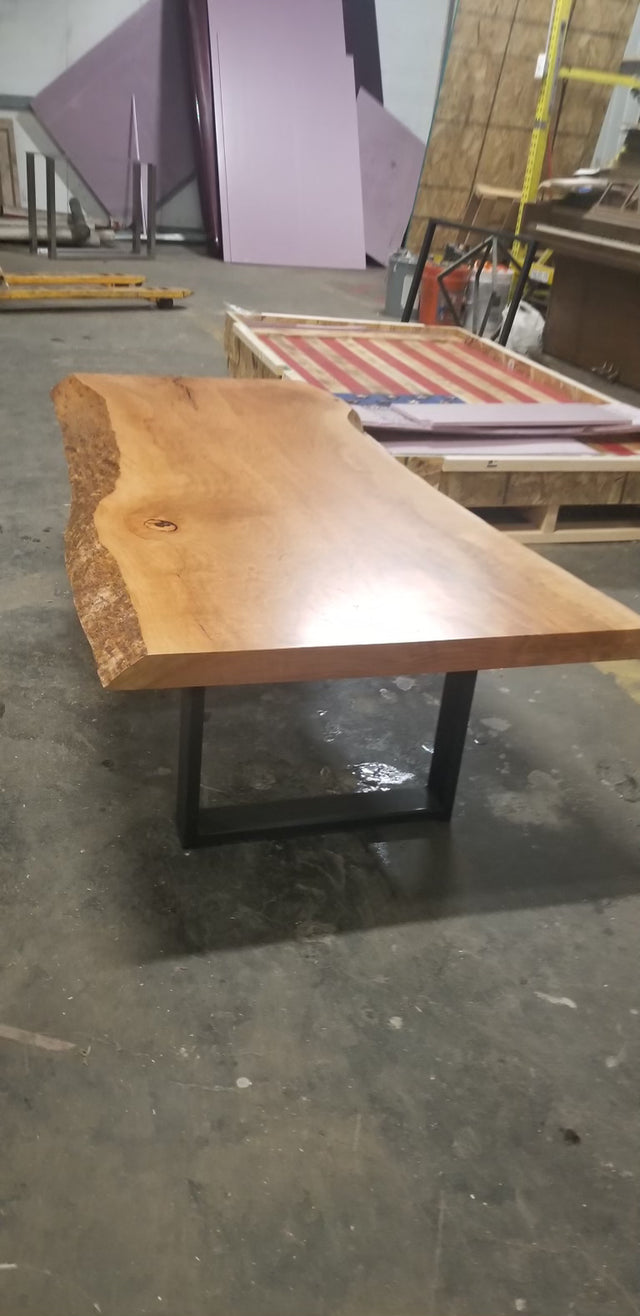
[{"x": 486, "y": 110}]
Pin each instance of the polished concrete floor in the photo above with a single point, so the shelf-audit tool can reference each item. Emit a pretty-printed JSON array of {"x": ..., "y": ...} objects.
[{"x": 332, "y": 1077}]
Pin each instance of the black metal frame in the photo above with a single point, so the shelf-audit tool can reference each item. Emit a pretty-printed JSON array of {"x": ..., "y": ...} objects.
[
  {"x": 505, "y": 240},
  {"x": 199, "y": 826}
]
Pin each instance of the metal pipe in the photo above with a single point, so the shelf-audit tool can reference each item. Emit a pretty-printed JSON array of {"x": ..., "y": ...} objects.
[
  {"x": 52, "y": 245},
  {"x": 152, "y": 197},
  {"x": 136, "y": 205},
  {"x": 494, "y": 300},
  {"x": 32, "y": 212},
  {"x": 425, "y": 250},
  {"x": 476, "y": 297},
  {"x": 518, "y": 293}
]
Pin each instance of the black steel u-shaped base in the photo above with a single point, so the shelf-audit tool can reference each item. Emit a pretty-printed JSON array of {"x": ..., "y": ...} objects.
[{"x": 331, "y": 813}]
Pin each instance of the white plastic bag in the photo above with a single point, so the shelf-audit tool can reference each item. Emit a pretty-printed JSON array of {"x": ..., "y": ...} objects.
[{"x": 526, "y": 331}]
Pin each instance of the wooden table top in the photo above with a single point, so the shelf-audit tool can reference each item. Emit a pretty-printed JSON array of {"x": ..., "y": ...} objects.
[{"x": 226, "y": 532}]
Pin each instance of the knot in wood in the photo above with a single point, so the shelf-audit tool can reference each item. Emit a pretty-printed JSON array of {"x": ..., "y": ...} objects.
[{"x": 157, "y": 523}]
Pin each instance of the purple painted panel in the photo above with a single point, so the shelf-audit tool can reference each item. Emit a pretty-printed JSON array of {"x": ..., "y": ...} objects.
[
  {"x": 361, "y": 35},
  {"x": 87, "y": 111},
  {"x": 390, "y": 160},
  {"x": 197, "y": 13},
  {"x": 287, "y": 133}
]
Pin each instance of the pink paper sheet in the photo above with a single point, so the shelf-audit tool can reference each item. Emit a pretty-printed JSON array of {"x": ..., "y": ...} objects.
[{"x": 529, "y": 419}]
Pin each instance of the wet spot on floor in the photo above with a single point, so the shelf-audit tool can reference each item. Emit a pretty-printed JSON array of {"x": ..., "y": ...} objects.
[
  {"x": 540, "y": 805},
  {"x": 404, "y": 682},
  {"x": 622, "y": 778},
  {"x": 495, "y": 723}
]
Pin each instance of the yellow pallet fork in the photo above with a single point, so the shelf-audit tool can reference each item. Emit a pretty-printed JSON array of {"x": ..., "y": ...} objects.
[{"x": 85, "y": 287}]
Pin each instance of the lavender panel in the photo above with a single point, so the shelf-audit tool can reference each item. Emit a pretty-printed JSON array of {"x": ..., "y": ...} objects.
[
  {"x": 287, "y": 133},
  {"x": 200, "y": 48},
  {"x": 390, "y": 160},
  {"x": 87, "y": 111}
]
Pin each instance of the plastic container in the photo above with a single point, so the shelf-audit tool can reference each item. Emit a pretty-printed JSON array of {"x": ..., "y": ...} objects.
[
  {"x": 433, "y": 304},
  {"x": 402, "y": 267},
  {"x": 474, "y": 317}
]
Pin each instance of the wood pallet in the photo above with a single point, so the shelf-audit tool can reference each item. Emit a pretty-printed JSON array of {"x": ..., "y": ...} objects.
[
  {"x": 568, "y": 524},
  {"x": 543, "y": 499}
]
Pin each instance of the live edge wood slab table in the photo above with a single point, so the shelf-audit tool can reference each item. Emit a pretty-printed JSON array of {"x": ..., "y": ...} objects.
[{"x": 227, "y": 532}]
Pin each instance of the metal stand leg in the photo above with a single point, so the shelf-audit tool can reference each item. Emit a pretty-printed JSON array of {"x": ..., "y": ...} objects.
[
  {"x": 425, "y": 251},
  {"x": 152, "y": 174},
  {"x": 190, "y": 766},
  {"x": 136, "y": 202},
  {"x": 32, "y": 212},
  {"x": 451, "y": 731},
  {"x": 332, "y": 813},
  {"x": 518, "y": 293},
  {"x": 52, "y": 240}
]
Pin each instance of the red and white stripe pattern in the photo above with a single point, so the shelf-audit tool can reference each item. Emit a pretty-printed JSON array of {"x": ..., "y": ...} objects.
[{"x": 388, "y": 363}]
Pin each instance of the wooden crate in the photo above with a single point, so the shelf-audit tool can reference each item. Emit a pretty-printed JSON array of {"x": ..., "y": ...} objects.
[
  {"x": 530, "y": 498},
  {"x": 258, "y": 344},
  {"x": 543, "y": 500}
]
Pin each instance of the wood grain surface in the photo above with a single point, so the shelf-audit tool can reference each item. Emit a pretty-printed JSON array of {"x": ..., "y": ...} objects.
[{"x": 228, "y": 531}]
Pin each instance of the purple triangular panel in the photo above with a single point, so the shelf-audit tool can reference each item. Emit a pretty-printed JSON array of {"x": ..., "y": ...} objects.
[{"x": 87, "y": 110}]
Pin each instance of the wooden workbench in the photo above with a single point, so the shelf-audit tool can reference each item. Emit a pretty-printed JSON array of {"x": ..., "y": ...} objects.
[
  {"x": 227, "y": 532},
  {"x": 594, "y": 315},
  {"x": 594, "y": 310}
]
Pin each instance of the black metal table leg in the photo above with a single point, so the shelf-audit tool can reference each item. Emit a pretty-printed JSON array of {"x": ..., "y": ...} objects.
[
  {"x": 451, "y": 731},
  {"x": 415, "y": 805},
  {"x": 190, "y": 766}
]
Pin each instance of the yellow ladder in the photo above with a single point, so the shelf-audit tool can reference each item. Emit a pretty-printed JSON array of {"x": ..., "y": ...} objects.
[
  {"x": 554, "y": 72},
  {"x": 560, "y": 15}
]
